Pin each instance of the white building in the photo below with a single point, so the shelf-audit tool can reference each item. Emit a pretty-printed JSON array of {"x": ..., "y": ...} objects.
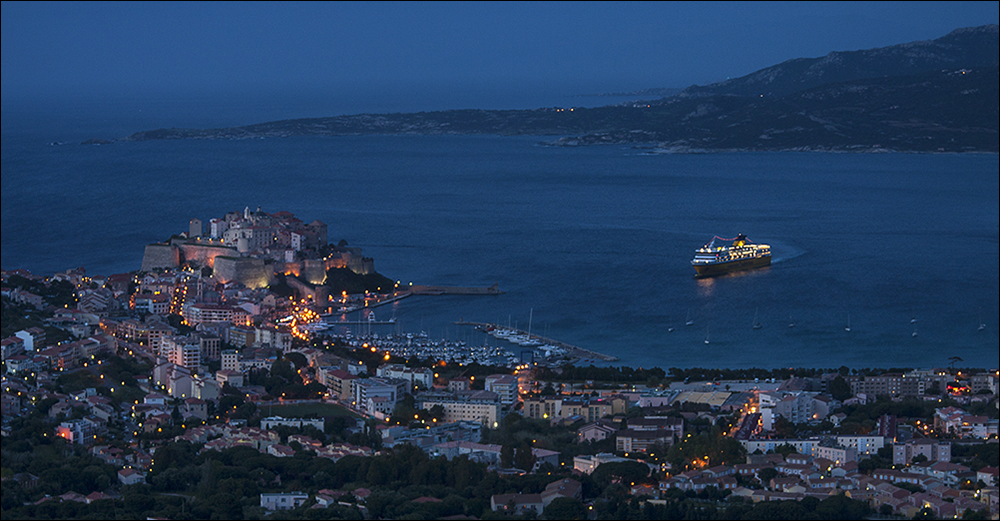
[
  {"x": 217, "y": 227},
  {"x": 231, "y": 360},
  {"x": 420, "y": 377},
  {"x": 182, "y": 350},
  {"x": 486, "y": 412},
  {"x": 801, "y": 446},
  {"x": 504, "y": 385},
  {"x": 282, "y": 500},
  {"x": 588, "y": 463},
  {"x": 862, "y": 444},
  {"x": 280, "y": 339},
  {"x": 364, "y": 389},
  {"x": 202, "y": 313}
]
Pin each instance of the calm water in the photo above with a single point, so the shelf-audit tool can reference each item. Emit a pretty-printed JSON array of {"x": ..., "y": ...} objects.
[{"x": 594, "y": 243}]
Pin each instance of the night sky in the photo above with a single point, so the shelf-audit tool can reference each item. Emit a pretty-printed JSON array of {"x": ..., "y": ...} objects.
[{"x": 118, "y": 49}]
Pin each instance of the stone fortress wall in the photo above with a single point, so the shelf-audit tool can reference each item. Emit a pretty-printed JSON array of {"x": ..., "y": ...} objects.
[
  {"x": 160, "y": 255},
  {"x": 228, "y": 264},
  {"x": 252, "y": 273}
]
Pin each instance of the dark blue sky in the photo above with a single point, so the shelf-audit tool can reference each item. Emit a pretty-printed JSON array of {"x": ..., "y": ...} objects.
[{"x": 65, "y": 48}]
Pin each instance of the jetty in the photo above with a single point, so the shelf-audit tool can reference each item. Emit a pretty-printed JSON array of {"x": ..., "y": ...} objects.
[
  {"x": 360, "y": 323},
  {"x": 571, "y": 350}
]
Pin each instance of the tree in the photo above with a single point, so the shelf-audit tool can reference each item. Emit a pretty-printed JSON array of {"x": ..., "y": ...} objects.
[
  {"x": 507, "y": 456},
  {"x": 785, "y": 449},
  {"x": 840, "y": 389},
  {"x": 524, "y": 459},
  {"x": 565, "y": 508},
  {"x": 765, "y": 475},
  {"x": 625, "y": 471},
  {"x": 298, "y": 359}
]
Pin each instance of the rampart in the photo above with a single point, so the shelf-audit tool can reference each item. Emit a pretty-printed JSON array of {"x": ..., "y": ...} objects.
[
  {"x": 318, "y": 293},
  {"x": 252, "y": 273},
  {"x": 204, "y": 255},
  {"x": 314, "y": 270},
  {"x": 175, "y": 253},
  {"x": 159, "y": 255}
]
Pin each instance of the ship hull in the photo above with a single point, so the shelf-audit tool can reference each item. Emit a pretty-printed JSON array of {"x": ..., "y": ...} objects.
[{"x": 711, "y": 270}]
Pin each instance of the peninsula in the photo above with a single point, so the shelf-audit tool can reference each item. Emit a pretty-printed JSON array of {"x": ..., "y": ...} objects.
[{"x": 931, "y": 96}]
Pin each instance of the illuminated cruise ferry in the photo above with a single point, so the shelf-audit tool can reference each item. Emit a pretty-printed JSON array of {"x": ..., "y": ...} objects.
[{"x": 724, "y": 255}]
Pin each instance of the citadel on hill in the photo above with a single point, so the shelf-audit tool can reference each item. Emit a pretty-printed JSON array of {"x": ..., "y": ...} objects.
[{"x": 253, "y": 246}]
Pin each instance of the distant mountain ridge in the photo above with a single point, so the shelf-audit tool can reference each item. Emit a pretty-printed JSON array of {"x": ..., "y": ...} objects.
[
  {"x": 930, "y": 96},
  {"x": 967, "y": 47}
]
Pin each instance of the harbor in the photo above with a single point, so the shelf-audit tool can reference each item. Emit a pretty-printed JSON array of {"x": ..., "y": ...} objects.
[{"x": 548, "y": 345}]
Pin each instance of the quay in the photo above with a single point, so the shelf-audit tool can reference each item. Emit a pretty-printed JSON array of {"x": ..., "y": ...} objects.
[
  {"x": 578, "y": 353},
  {"x": 398, "y": 296},
  {"x": 421, "y": 290}
]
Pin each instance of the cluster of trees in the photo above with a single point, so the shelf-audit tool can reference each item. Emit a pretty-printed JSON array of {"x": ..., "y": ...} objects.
[
  {"x": 706, "y": 449},
  {"x": 283, "y": 380},
  {"x": 978, "y": 455},
  {"x": 226, "y": 484},
  {"x": 343, "y": 279},
  {"x": 18, "y": 317},
  {"x": 616, "y": 503},
  {"x": 32, "y": 448},
  {"x": 59, "y": 293},
  {"x": 515, "y": 431}
]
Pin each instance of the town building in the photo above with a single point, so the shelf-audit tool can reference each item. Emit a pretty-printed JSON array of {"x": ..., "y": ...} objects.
[
  {"x": 932, "y": 449},
  {"x": 505, "y": 385},
  {"x": 282, "y": 500}
]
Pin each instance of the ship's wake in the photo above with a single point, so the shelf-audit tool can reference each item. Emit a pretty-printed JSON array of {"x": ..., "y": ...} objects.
[{"x": 782, "y": 253}]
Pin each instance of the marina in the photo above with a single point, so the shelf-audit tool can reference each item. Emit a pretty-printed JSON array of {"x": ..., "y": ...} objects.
[
  {"x": 419, "y": 345},
  {"x": 546, "y": 345}
]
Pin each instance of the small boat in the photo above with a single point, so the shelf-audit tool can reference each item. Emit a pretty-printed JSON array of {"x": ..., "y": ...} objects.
[
  {"x": 689, "y": 320},
  {"x": 706, "y": 335},
  {"x": 848, "y": 328},
  {"x": 756, "y": 323}
]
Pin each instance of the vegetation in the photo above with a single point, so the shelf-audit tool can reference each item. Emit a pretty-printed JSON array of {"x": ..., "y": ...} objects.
[{"x": 343, "y": 279}]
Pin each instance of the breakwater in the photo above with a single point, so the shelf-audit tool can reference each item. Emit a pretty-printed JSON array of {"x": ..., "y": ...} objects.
[
  {"x": 454, "y": 290},
  {"x": 575, "y": 352}
]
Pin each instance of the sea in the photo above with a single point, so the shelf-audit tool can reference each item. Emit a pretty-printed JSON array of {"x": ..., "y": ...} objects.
[{"x": 591, "y": 246}]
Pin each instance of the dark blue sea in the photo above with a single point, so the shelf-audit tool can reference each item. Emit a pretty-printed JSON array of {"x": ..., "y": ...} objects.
[{"x": 593, "y": 244}]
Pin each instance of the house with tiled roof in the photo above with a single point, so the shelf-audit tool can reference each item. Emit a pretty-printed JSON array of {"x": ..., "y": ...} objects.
[
  {"x": 131, "y": 477},
  {"x": 988, "y": 475},
  {"x": 96, "y": 496},
  {"x": 281, "y": 451}
]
